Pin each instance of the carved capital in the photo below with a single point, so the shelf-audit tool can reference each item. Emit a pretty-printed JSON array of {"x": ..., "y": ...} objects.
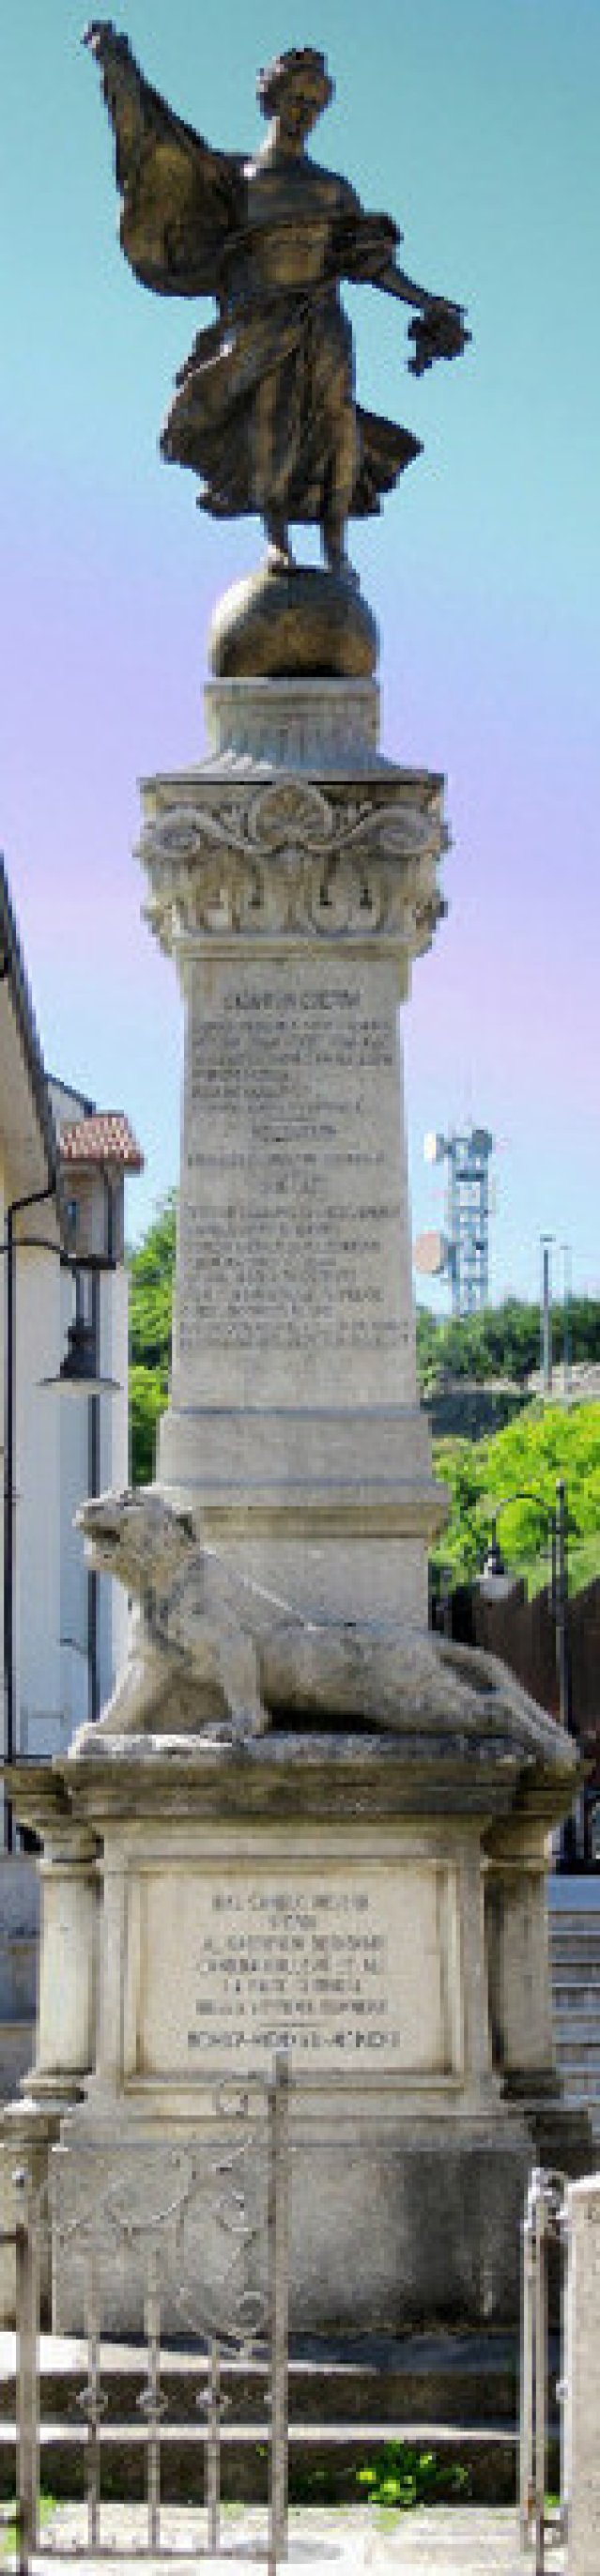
[{"x": 347, "y": 862}]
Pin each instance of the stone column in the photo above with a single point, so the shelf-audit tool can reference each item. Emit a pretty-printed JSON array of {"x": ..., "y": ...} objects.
[
  {"x": 108, "y": 2075},
  {"x": 65, "y": 2026},
  {"x": 519, "y": 1959},
  {"x": 480, "y": 2081},
  {"x": 65, "y": 2035},
  {"x": 293, "y": 878}
]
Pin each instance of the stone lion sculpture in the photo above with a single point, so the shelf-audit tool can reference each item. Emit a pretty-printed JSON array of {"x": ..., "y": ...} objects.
[{"x": 243, "y": 1658}]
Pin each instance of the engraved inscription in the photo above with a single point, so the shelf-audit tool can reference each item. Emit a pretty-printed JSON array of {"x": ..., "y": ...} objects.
[
  {"x": 234, "y": 1962},
  {"x": 291, "y": 1215},
  {"x": 302, "y": 1966}
]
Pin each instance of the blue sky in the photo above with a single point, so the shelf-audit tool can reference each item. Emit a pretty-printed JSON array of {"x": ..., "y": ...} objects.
[{"x": 476, "y": 126}]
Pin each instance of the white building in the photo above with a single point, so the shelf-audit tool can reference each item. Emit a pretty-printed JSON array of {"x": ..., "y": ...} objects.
[{"x": 62, "y": 1173}]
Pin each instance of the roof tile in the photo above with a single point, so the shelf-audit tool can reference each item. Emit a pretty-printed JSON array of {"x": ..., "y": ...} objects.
[{"x": 104, "y": 1137}]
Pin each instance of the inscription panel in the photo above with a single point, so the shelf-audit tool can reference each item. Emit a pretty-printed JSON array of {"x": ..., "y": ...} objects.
[
  {"x": 293, "y": 1220},
  {"x": 230, "y": 1966}
]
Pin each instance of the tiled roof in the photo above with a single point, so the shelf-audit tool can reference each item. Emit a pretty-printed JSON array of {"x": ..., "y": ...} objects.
[{"x": 105, "y": 1137}]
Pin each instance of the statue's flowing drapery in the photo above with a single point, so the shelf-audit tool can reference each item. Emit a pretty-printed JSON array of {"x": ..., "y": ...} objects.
[{"x": 185, "y": 231}]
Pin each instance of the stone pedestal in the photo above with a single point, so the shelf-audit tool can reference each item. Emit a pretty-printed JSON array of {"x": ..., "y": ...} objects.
[
  {"x": 293, "y": 878},
  {"x": 328, "y": 1894},
  {"x": 326, "y": 1891}
]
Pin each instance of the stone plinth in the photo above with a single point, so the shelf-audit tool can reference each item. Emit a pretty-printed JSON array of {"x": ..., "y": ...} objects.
[
  {"x": 325, "y": 1891},
  {"x": 293, "y": 878}
]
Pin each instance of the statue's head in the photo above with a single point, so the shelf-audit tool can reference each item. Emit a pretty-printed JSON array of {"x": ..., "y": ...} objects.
[
  {"x": 295, "y": 88},
  {"x": 138, "y": 1535}
]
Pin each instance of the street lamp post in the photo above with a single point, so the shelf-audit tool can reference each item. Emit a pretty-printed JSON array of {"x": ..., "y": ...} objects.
[
  {"x": 556, "y": 1517},
  {"x": 546, "y": 1243},
  {"x": 558, "y": 1522},
  {"x": 79, "y": 1374}
]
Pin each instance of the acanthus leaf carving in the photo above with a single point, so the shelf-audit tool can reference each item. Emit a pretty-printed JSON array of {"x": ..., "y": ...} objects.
[{"x": 288, "y": 858}]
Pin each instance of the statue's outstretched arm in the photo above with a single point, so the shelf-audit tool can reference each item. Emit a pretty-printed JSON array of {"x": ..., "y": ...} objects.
[
  {"x": 180, "y": 197},
  {"x": 368, "y": 244},
  {"x": 439, "y": 329}
]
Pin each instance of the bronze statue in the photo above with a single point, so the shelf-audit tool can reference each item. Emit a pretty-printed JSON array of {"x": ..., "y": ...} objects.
[{"x": 265, "y": 408}]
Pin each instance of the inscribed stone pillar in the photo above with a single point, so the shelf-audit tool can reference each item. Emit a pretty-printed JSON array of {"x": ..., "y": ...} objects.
[{"x": 293, "y": 878}]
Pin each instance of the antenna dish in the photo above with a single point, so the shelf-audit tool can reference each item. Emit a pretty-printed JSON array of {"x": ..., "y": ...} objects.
[
  {"x": 431, "y": 1255},
  {"x": 434, "y": 1147}
]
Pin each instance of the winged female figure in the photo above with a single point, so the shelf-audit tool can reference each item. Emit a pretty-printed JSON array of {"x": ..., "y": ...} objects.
[{"x": 264, "y": 409}]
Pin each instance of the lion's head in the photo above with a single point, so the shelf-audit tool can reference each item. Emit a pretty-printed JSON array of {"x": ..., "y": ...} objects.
[{"x": 137, "y": 1535}]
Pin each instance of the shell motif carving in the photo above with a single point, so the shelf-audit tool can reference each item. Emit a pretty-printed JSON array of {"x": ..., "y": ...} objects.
[{"x": 288, "y": 857}]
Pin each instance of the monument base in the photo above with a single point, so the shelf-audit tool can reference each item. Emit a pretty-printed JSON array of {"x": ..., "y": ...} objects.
[
  {"x": 394, "y": 2224},
  {"x": 331, "y": 1894}
]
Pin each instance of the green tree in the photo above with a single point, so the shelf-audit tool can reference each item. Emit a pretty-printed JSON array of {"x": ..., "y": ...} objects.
[
  {"x": 544, "y": 1442},
  {"x": 500, "y": 1341},
  {"x": 151, "y": 1272}
]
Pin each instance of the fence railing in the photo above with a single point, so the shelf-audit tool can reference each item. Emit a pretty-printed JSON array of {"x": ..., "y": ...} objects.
[
  {"x": 544, "y": 2237},
  {"x": 235, "y": 2185},
  {"x": 240, "y": 2182}
]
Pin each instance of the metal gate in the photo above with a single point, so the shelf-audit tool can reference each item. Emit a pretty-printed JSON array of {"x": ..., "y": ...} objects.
[
  {"x": 544, "y": 2236},
  {"x": 233, "y": 2183}
]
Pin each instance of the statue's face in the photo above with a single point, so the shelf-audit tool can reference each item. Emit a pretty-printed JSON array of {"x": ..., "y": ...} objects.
[
  {"x": 296, "y": 113},
  {"x": 293, "y": 91}
]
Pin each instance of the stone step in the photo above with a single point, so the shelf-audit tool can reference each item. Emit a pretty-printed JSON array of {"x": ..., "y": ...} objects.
[
  {"x": 570, "y": 2058},
  {"x": 594, "y": 2118},
  {"x": 575, "y": 1965},
  {"x": 578, "y": 2037},
  {"x": 577, "y": 1953},
  {"x": 452, "y": 2379},
  {"x": 577, "y": 1992},
  {"x": 322, "y": 2464},
  {"x": 579, "y": 2091},
  {"x": 573, "y": 2049},
  {"x": 579, "y": 2031},
  {"x": 457, "y": 2395},
  {"x": 573, "y": 2063},
  {"x": 574, "y": 1918},
  {"x": 578, "y": 2080}
]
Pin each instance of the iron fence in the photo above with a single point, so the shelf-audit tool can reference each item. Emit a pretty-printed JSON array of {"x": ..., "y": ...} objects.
[
  {"x": 544, "y": 2238},
  {"x": 236, "y": 2184}
]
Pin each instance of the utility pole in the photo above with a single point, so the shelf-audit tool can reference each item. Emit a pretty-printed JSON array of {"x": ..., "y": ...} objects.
[{"x": 546, "y": 1241}]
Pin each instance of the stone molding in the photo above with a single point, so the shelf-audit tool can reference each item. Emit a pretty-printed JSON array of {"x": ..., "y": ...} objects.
[
  {"x": 290, "y": 859},
  {"x": 297, "y": 725}
]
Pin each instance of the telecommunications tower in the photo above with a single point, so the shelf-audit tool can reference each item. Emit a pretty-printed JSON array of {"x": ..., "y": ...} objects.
[{"x": 462, "y": 1252}]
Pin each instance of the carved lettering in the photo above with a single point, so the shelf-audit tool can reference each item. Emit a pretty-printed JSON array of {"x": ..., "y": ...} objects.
[
  {"x": 291, "y": 1209},
  {"x": 246, "y": 1959}
]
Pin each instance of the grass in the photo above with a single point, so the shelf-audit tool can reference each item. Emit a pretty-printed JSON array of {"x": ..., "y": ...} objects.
[
  {"x": 9, "y": 2528},
  {"x": 403, "y": 2477}
]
